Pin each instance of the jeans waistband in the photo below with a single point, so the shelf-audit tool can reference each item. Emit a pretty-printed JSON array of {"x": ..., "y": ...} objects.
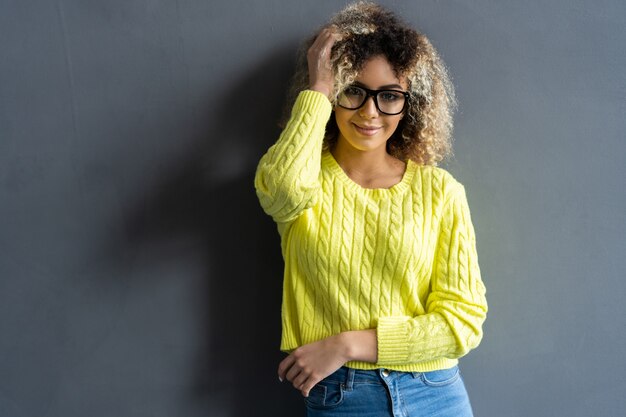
[{"x": 349, "y": 376}]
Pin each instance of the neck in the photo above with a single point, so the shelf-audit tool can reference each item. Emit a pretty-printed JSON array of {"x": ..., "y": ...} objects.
[{"x": 369, "y": 163}]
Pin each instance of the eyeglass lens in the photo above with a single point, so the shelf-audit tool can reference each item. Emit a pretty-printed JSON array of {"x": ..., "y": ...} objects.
[{"x": 387, "y": 101}]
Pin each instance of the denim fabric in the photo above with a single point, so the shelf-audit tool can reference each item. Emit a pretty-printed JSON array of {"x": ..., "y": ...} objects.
[{"x": 380, "y": 393}]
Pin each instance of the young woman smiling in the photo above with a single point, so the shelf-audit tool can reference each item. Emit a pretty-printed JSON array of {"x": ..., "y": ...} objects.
[{"x": 382, "y": 290}]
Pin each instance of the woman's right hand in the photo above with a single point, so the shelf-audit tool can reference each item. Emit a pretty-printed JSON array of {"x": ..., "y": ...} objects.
[{"x": 321, "y": 76}]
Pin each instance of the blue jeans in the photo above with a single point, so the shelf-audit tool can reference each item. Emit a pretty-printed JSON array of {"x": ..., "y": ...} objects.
[{"x": 377, "y": 393}]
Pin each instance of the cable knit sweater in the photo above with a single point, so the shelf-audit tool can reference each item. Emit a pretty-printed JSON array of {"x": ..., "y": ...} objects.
[{"x": 400, "y": 260}]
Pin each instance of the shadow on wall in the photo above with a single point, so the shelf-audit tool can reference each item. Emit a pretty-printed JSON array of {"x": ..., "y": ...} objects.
[{"x": 208, "y": 195}]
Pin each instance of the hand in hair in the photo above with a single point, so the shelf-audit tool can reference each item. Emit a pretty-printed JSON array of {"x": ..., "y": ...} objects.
[{"x": 321, "y": 77}]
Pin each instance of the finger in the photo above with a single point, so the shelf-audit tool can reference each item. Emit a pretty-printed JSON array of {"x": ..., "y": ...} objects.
[
  {"x": 325, "y": 45},
  {"x": 332, "y": 37},
  {"x": 319, "y": 49},
  {"x": 293, "y": 372},
  {"x": 323, "y": 52},
  {"x": 300, "y": 380},
  {"x": 334, "y": 33},
  {"x": 284, "y": 366},
  {"x": 308, "y": 386},
  {"x": 325, "y": 38},
  {"x": 321, "y": 38},
  {"x": 332, "y": 30}
]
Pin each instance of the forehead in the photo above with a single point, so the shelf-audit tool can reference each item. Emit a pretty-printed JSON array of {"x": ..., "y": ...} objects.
[{"x": 378, "y": 73}]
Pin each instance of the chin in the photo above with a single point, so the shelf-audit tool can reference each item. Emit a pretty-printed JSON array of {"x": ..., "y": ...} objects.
[{"x": 366, "y": 145}]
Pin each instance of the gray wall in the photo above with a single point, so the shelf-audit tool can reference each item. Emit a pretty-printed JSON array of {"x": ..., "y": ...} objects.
[{"x": 139, "y": 277}]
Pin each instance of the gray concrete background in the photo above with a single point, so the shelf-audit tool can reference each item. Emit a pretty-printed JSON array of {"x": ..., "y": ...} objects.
[{"x": 139, "y": 277}]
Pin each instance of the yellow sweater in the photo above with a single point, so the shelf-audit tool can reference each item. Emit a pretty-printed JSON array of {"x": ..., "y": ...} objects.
[{"x": 400, "y": 260}]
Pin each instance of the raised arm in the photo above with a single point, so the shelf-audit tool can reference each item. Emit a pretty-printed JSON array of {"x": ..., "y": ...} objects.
[{"x": 287, "y": 177}]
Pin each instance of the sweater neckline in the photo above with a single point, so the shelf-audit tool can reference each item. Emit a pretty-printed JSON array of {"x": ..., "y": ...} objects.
[{"x": 329, "y": 161}]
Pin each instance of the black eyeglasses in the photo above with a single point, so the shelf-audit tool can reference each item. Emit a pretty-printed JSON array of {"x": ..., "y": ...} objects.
[{"x": 389, "y": 102}]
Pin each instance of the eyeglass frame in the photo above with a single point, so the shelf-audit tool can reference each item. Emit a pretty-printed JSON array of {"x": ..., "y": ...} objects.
[{"x": 374, "y": 94}]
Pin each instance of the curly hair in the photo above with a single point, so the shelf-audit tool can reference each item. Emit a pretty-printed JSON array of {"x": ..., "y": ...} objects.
[{"x": 424, "y": 135}]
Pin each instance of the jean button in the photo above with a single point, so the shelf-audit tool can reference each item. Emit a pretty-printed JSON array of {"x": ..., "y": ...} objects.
[{"x": 385, "y": 373}]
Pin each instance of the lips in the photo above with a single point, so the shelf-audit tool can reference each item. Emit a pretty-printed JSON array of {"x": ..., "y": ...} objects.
[{"x": 367, "y": 130}]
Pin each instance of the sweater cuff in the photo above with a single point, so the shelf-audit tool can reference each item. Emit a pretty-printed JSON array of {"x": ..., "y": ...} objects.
[
  {"x": 314, "y": 102},
  {"x": 393, "y": 344}
]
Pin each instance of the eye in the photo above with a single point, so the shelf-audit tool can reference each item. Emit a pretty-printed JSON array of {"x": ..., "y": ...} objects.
[
  {"x": 390, "y": 96},
  {"x": 353, "y": 91}
]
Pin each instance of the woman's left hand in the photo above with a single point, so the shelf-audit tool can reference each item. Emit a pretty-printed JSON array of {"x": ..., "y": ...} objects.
[{"x": 309, "y": 364}]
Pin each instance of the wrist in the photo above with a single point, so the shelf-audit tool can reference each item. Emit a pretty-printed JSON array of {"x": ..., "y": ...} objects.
[
  {"x": 344, "y": 346},
  {"x": 359, "y": 345},
  {"x": 321, "y": 88}
]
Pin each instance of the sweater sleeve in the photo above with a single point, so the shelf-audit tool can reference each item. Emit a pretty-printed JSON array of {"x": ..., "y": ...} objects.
[
  {"x": 456, "y": 306},
  {"x": 287, "y": 177}
]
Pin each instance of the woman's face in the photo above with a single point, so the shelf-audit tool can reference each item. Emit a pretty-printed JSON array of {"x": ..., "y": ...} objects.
[{"x": 366, "y": 129}]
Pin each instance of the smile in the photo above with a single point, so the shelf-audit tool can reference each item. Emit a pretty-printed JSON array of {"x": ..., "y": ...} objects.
[{"x": 367, "y": 130}]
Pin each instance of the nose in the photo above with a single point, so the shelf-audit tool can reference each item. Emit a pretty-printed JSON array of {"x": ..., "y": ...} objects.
[{"x": 368, "y": 110}]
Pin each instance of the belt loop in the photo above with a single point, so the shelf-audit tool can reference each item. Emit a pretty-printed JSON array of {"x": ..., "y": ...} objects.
[{"x": 349, "y": 379}]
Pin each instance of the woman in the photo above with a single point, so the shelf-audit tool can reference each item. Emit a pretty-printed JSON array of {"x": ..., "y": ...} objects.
[{"x": 382, "y": 290}]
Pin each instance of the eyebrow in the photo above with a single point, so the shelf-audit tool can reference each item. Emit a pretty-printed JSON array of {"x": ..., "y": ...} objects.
[{"x": 384, "y": 87}]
